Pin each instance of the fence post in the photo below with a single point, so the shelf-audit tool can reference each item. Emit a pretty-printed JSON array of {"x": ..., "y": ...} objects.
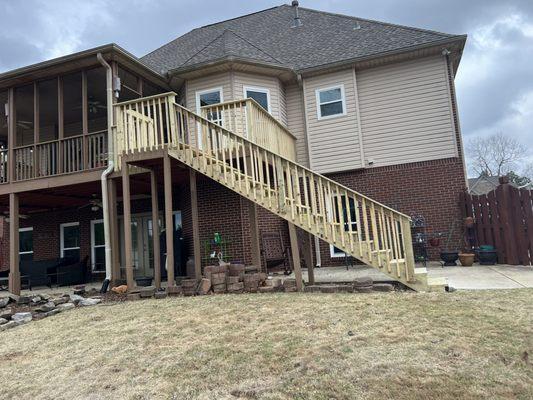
[{"x": 506, "y": 220}]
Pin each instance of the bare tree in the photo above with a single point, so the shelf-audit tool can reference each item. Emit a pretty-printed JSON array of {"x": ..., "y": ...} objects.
[{"x": 495, "y": 155}]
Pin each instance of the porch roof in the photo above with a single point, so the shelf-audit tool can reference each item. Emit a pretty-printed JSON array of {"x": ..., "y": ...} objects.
[{"x": 77, "y": 61}]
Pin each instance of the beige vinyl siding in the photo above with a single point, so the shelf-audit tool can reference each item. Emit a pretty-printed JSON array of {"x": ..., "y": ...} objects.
[
  {"x": 406, "y": 113},
  {"x": 277, "y": 97},
  {"x": 296, "y": 121},
  {"x": 333, "y": 142}
]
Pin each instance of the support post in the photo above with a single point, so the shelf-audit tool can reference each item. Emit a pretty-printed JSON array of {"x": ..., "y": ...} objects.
[
  {"x": 155, "y": 230},
  {"x": 254, "y": 234},
  {"x": 308, "y": 257},
  {"x": 195, "y": 226},
  {"x": 169, "y": 223},
  {"x": 14, "y": 272},
  {"x": 113, "y": 225},
  {"x": 126, "y": 199},
  {"x": 295, "y": 253}
]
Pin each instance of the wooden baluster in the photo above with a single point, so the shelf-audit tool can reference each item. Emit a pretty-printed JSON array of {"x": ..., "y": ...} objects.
[
  {"x": 365, "y": 226},
  {"x": 306, "y": 199},
  {"x": 322, "y": 204},
  {"x": 340, "y": 212},
  {"x": 349, "y": 218},
  {"x": 374, "y": 230}
]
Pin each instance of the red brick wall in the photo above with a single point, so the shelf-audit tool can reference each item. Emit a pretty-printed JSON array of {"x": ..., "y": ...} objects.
[{"x": 429, "y": 188}]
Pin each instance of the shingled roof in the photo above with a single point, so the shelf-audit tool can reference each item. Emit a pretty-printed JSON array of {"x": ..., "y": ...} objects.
[{"x": 268, "y": 37}]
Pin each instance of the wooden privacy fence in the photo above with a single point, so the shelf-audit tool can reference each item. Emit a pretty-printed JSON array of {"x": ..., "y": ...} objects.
[{"x": 503, "y": 219}]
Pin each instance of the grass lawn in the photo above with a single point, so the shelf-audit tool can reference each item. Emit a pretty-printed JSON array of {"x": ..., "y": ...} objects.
[{"x": 468, "y": 345}]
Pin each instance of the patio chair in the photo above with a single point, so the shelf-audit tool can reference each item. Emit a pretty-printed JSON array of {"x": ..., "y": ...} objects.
[
  {"x": 35, "y": 273},
  {"x": 72, "y": 272},
  {"x": 274, "y": 252}
]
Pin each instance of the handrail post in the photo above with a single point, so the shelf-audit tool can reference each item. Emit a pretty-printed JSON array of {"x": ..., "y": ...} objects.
[
  {"x": 249, "y": 120},
  {"x": 408, "y": 250}
]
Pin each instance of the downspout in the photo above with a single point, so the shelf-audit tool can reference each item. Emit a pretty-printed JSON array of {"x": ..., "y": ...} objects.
[{"x": 107, "y": 172}]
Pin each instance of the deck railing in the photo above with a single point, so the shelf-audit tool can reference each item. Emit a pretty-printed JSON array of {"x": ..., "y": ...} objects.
[
  {"x": 356, "y": 224},
  {"x": 61, "y": 156},
  {"x": 248, "y": 119}
]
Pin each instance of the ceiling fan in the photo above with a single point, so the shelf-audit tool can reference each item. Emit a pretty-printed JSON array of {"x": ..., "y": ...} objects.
[{"x": 95, "y": 203}]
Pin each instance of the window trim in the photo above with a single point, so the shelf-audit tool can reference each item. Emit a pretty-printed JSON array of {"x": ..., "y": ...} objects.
[
  {"x": 93, "y": 246},
  {"x": 258, "y": 89},
  {"x": 62, "y": 237},
  {"x": 342, "y": 100},
  {"x": 27, "y": 229},
  {"x": 198, "y": 93}
]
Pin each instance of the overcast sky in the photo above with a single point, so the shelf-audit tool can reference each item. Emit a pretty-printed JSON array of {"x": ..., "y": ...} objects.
[{"x": 494, "y": 83}]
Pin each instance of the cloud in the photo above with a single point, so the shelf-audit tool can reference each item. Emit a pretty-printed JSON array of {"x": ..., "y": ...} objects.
[{"x": 494, "y": 82}]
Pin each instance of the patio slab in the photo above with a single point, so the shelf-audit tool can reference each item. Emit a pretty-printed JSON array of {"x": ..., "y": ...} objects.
[{"x": 461, "y": 278}]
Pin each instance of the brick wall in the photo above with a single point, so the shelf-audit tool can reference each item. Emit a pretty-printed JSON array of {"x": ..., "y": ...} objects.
[{"x": 429, "y": 188}]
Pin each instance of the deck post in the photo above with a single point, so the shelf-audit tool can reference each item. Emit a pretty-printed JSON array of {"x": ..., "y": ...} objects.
[
  {"x": 308, "y": 257},
  {"x": 126, "y": 199},
  {"x": 155, "y": 230},
  {"x": 169, "y": 223},
  {"x": 14, "y": 272},
  {"x": 113, "y": 219},
  {"x": 254, "y": 234},
  {"x": 195, "y": 226},
  {"x": 295, "y": 252}
]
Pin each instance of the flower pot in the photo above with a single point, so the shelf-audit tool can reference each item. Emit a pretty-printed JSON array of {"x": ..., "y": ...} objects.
[
  {"x": 449, "y": 257},
  {"x": 434, "y": 242},
  {"x": 487, "y": 257},
  {"x": 143, "y": 281},
  {"x": 466, "y": 259}
]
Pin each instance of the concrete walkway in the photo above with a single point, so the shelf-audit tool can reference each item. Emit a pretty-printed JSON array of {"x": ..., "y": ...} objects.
[{"x": 461, "y": 278}]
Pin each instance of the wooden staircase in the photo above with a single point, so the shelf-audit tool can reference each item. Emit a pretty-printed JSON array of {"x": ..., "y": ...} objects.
[{"x": 369, "y": 231}]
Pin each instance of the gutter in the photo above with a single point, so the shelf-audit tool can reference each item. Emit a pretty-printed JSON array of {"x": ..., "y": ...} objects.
[{"x": 107, "y": 172}]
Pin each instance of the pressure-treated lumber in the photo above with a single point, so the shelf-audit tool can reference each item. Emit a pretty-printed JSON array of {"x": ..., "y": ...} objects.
[
  {"x": 169, "y": 223},
  {"x": 155, "y": 230},
  {"x": 14, "y": 272},
  {"x": 195, "y": 226},
  {"x": 126, "y": 201}
]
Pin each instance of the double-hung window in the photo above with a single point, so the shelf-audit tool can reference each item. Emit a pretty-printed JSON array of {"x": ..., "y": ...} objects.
[
  {"x": 207, "y": 98},
  {"x": 261, "y": 95},
  {"x": 70, "y": 240},
  {"x": 330, "y": 102}
]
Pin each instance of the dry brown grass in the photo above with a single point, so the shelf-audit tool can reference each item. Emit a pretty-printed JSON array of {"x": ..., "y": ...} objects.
[{"x": 279, "y": 346}]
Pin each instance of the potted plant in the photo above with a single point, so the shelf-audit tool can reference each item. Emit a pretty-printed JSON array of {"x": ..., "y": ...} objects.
[
  {"x": 449, "y": 257},
  {"x": 487, "y": 255},
  {"x": 466, "y": 259}
]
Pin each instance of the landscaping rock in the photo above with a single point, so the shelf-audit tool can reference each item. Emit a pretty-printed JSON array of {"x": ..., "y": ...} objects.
[
  {"x": 89, "y": 302},
  {"x": 383, "y": 287},
  {"x": 174, "y": 290},
  {"x": 328, "y": 289},
  {"x": 133, "y": 296},
  {"x": 237, "y": 287},
  {"x": 233, "y": 279},
  {"x": 3, "y": 321},
  {"x": 75, "y": 298},
  {"x": 218, "y": 278},
  {"x": 65, "y": 306},
  {"x": 46, "y": 307},
  {"x": 221, "y": 288},
  {"x": 21, "y": 317},
  {"x": 362, "y": 282},
  {"x": 363, "y": 289},
  {"x": 312, "y": 289},
  {"x": 60, "y": 300},
  {"x": 236, "y": 270},
  {"x": 79, "y": 289},
  {"x": 52, "y": 312},
  {"x": 204, "y": 286},
  {"x": 4, "y": 302},
  {"x": 23, "y": 300},
  {"x": 266, "y": 289},
  {"x": 36, "y": 299},
  {"x": 6, "y": 313},
  {"x": 9, "y": 325},
  {"x": 160, "y": 295},
  {"x": 287, "y": 283},
  {"x": 147, "y": 291}
]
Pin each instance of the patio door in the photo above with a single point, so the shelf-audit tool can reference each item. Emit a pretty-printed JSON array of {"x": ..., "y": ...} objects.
[{"x": 142, "y": 245}]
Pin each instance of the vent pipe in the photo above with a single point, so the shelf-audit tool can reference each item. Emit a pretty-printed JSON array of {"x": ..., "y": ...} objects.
[{"x": 297, "y": 21}]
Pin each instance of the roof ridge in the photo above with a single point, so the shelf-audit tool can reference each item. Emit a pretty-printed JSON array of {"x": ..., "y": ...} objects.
[
  {"x": 203, "y": 48},
  {"x": 208, "y": 25},
  {"x": 376, "y": 21},
  {"x": 254, "y": 45}
]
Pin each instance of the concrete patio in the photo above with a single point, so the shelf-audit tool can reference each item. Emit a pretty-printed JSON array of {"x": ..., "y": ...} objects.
[{"x": 461, "y": 278}]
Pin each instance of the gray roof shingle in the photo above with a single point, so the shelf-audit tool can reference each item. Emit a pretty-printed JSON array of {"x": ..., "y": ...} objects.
[{"x": 267, "y": 36}]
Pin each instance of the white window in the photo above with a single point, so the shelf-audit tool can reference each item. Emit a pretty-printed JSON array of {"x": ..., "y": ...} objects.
[
  {"x": 261, "y": 95},
  {"x": 97, "y": 245},
  {"x": 330, "y": 102},
  {"x": 334, "y": 216},
  {"x": 70, "y": 240},
  {"x": 26, "y": 241},
  {"x": 209, "y": 97}
]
